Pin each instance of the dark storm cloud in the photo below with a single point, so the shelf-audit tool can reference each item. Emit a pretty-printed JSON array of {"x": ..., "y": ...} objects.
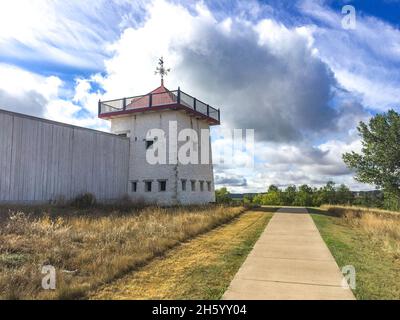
[
  {"x": 332, "y": 169},
  {"x": 282, "y": 92},
  {"x": 230, "y": 180}
]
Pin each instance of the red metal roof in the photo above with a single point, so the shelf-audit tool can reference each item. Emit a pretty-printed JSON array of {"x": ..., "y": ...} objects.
[
  {"x": 160, "y": 89},
  {"x": 160, "y": 96},
  {"x": 159, "y": 99}
]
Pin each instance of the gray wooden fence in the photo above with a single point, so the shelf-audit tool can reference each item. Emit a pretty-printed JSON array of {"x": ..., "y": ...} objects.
[{"x": 41, "y": 161}]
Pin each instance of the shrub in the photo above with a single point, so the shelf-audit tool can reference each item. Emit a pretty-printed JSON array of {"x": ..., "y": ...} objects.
[
  {"x": 59, "y": 201},
  {"x": 126, "y": 204},
  {"x": 222, "y": 195},
  {"x": 84, "y": 201}
]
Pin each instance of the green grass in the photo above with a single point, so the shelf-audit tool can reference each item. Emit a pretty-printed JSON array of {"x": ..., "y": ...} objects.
[
  {"x": 377, "y": 270},
  {"x": 12, "y": 260}
]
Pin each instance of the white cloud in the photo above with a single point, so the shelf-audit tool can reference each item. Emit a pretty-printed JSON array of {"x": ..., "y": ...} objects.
[
  {"x": 130, "y": 70},
  {"x": 26, "y": 92},
  {"x": 365, "y": 60},
  {"x": 29, "y": 93},
  {"x": 17, "y": 81},
  {"x": 263, "y": 66},
  {"x": 264, "y": 75},
  {"x": 73, "y": 33}
]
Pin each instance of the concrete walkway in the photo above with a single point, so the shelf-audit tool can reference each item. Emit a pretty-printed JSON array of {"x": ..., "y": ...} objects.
[{"x": 289, "y": 261}]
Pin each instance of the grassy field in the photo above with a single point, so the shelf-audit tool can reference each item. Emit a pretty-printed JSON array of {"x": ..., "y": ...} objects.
[
  {"x": 370, "y": 241},
  {"x": 92, "y": 247},
  {"x": 199, "y": 269}
]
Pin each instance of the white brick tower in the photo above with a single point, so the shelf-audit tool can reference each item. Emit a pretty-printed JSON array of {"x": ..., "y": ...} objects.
[{"x": 174, "y": 182}]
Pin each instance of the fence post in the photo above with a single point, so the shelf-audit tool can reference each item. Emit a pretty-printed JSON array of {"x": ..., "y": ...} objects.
[{"x": 150, "y": 100}]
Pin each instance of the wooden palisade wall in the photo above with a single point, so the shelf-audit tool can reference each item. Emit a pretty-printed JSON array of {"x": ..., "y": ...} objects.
[{"x": 41, "y": 161}]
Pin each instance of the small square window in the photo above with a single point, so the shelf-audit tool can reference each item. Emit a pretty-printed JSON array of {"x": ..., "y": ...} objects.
[
  {"x": 193, "y": 185},
  {"x": 149, "y": 143},
  {"x": 183, "y": 185},
  {"x": 209, "y": 186},
  {"x": 147, "y": 186},
  {"x": 201, "y": 186},
  {"x": 162, "y": 185},
  {"x": 133, "y": 186}
]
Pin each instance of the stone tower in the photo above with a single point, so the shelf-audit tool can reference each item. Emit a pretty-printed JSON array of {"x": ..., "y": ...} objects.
[{"x": 173, "y": 182}]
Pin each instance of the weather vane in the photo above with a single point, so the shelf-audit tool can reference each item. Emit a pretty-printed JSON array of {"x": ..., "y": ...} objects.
[{"x": 161, "y": 70}]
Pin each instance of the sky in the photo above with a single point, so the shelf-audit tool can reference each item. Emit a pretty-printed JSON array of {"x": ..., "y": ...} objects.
[{"x": 291, "y": 70}]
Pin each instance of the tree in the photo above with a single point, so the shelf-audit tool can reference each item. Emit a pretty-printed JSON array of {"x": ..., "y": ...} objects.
[
  {"x": 272, "y": 198},
  {"x": 222, "y": 195},
  {"x": 248, "y": 199},
  {"x": 379, "y": 161},
  {"x": 304, "y": 196},
  {"x": 328, "y": 193},
  {"x": 289, "y": 195},
  {"x": 318, "y": 197},
  {"x": 258, "y": 199},
  {"x": 344, "y": 195},
  {"x": 273, "y": 188},
  {"x": 391, "y": 201}
]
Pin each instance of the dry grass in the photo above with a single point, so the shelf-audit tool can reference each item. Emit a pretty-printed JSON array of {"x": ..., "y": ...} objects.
[
  {"x": 200, "y": 269},
  {"x": 341, "y": 210},
  {"x": 381, "y": 226},
  {"x": 88, "y": 251}
]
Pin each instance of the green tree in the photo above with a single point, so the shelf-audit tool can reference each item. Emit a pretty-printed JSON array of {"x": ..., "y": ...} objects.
[
  {"x": 391, "y": 201},
  {"x": 317, "y": 197},
  {"x": 304, "y": 196},
  {"x": 379, "y": 160},
  {"x": 289, "y": 195},
  {"x": 328, "y": 193},
  {"x": 258, "y": 199},
  {"x": 273, "y": 188},
  {"x": 248, "y": 199},
  {"x": 344, "y": 195},
  {"x": 272, "y": 198},
  {"x": 222, "y": 195}
]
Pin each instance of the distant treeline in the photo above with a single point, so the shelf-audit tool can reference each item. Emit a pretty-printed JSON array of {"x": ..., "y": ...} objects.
[{"x": 312, "y": 197}]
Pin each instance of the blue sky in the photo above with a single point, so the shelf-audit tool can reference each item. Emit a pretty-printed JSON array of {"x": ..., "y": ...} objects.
[
  {"x": 386, "y": 10},
  {"x": 287, "y": 69}
]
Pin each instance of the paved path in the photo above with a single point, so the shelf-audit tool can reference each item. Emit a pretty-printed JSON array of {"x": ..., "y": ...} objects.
[{"x": 289, "y": 261}]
